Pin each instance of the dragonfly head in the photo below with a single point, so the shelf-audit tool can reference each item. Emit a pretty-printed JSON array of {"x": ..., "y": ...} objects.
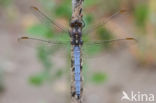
[{"x": 76, "y": 24}]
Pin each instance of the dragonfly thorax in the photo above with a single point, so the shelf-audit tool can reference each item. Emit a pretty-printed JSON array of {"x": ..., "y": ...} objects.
[
  {"x": 76, "y": 38},
  {"x": 76, "y": 32}
]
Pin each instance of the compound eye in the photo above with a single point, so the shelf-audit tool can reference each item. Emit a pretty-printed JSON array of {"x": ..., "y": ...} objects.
[
  {"x": 72, "y": 24},
  {"x": 75, "y": 23},
  {"x": 79, "y": 24}
]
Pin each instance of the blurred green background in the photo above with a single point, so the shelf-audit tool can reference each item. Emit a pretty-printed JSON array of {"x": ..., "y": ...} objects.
[{"x": 37, "y": 72}]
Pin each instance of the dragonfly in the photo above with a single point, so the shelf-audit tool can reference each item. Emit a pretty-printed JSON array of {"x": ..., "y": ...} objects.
[{"x": 75, "y": 33}]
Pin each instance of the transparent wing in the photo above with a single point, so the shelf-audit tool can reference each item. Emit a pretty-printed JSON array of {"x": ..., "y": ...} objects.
[
  {"x": 90, "y": 48},
  {"x": 110, "y": 41},
  {"x": 46, "y": 20},
  {"x": 41, "y": 40},
  {"x": 34, "y": 42},
  {"x": 103, "y": 22}
]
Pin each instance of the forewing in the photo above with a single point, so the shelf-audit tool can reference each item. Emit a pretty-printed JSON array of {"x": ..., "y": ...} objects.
[
  {"x": 103, "y": 22},
  {"x": 46, "y": 20}
]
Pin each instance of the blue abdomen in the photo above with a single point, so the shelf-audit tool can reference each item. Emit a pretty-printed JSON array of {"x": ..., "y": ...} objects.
[{"x": 77, "y": 69}]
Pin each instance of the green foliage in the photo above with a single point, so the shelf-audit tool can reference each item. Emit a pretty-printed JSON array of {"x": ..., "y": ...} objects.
[
  {"x": 38, "y": 79},
  {"x": 99, "y": 78},
  {"x": 45, "y": 75},
  {"x": 61, "y": 37},
  {"x": 40, "y": 30},
  {"x": 90, "y": 2},
  {"x": 88, "y": 19},
  {"x": 92, "y": 49},
  {"x": 44, "y": 57},
  {"x": 141, "y": 14},
  {"x": 59, "y": 73},
  {"x": 44, "y": 54},
  {"x": 64, "y": 9},
  {"x": 104, "y": 34},
  {"x": 1, "y": 80},
  {"x": 5, "y": 3}
]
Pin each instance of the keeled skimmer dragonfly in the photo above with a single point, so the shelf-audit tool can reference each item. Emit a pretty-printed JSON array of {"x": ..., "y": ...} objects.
[{"x": 76, "y": 42}]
